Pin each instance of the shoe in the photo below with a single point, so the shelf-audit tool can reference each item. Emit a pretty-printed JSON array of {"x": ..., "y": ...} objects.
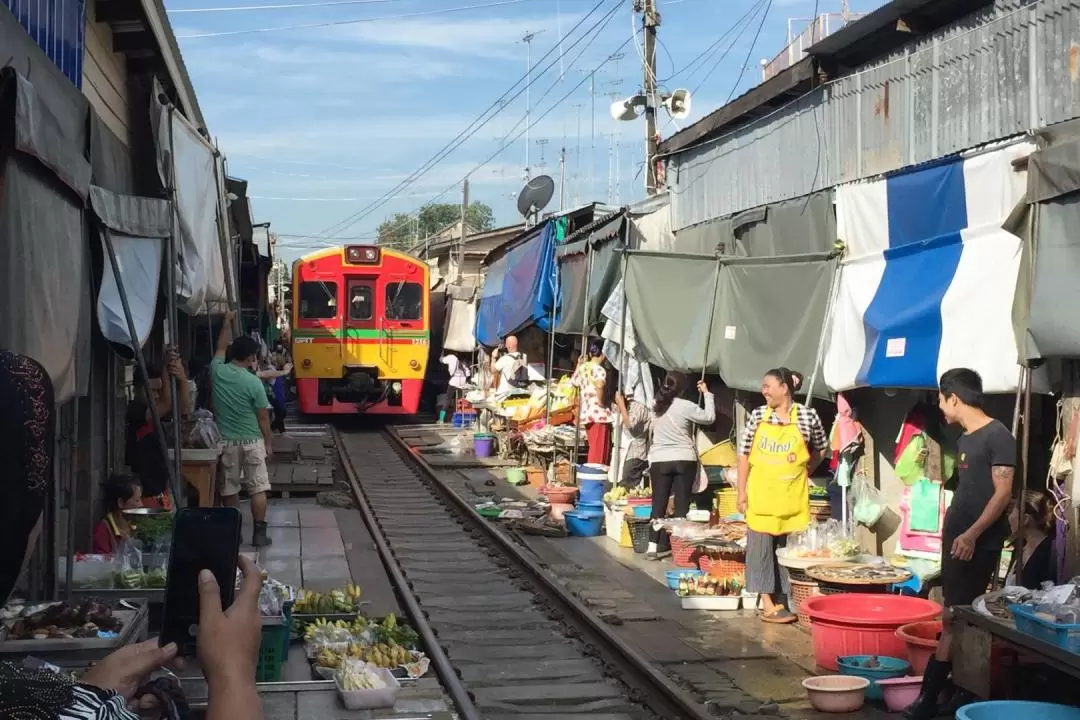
[
  {"x": 925, "y": 706},
  {"x": 259, "y": 538}
]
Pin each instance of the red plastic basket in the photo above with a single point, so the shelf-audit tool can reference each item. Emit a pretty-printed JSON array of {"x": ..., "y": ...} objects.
[
  {"x": 723, "y": 565},
  {"x": 683, "y": 553},
  {"x": 801, "y": 591}
]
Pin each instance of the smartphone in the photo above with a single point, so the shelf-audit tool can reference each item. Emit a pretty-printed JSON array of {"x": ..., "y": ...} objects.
[{"x": 203, "y": 539}]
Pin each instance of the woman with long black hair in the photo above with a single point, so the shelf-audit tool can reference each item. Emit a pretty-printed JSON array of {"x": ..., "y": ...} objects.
[{"x": 673, "y": 457}]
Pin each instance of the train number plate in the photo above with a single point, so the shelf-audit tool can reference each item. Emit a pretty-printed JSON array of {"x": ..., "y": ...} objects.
[
  {"x": 304, "y": 340},
  {"x": 419, "y": 341}
]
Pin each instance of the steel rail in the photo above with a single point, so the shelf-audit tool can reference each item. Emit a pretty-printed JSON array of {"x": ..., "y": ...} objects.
[
  {"x": 443, "y": 668},
  {"x": 662, "y": 696}
]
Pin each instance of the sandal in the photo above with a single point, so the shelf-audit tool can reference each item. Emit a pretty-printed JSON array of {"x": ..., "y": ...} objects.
[{"x": 779, "y": 615}]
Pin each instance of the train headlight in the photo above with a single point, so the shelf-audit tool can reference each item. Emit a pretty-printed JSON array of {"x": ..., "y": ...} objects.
[
  {"x": 396, "y": 387},
  {"x": 414, "y": 364},
  {"x": 306, "y": 364}
]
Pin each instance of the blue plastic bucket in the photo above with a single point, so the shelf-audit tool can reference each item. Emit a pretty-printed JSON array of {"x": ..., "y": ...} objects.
[
  {"x": 591, "y": 506},
  {"x": 672, "y": 576},
  {"x": 583, "y": 523},
  {"x": 591, "y": 480},
  {"x": 887, "y": 669},
  {"x": 642, "y": 511},
  {"x": 1013, "y": 709}
]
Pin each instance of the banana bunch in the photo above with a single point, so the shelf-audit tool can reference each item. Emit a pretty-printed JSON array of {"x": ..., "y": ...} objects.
[
  {"x": 616, "y": 494},
  {"x": 381, "y": 655},
  {"x": 352, "y": 676},
  {"x": 327, "y": 658},
  {"x": 640, "y": 492},
  {"x": 352, "y": 592},
  {"x": 336, "y": 602}
]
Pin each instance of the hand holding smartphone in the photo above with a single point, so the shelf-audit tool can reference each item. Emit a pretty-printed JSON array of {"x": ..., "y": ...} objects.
[{"x": 203, "y": 539}]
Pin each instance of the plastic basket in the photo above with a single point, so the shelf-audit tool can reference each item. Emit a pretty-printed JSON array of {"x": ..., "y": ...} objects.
[
  {"x": 723, "y": 565},
  {"x": 801, "y": 591},
  {"x": 726, "y": 502},
  {"x": 1066, "y": 637},
  {"x": 639, "y": 533},
  {"x": 683, "y": 553},
  {"x": 273, "y": 650}
]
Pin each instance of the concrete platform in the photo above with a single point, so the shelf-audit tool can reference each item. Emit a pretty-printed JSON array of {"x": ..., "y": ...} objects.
[{"x": 731, "y": 659}]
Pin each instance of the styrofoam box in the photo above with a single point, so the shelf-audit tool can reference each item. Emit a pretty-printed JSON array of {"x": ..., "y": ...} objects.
[
  {"x": 370, "y": 699},
  {"x": 710, "y": 602}
]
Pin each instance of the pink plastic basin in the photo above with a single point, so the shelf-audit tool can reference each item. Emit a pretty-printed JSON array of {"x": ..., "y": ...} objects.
[
  {"x": 862, "y": 624},
  {"x": 921, "y": 639}
]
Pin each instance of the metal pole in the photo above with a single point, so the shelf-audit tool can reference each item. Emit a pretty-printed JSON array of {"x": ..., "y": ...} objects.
[
  {"x": 616, "y": 448},
  {"x": 712, "y": 310},
  {"x": 562, "y": 179},
  {"x": 551, "y": 343},
  {"x": 159, "y": 430},
  {"x": 171, "y": 320},
  {"x": 464, "y": 218},
  {"x": 1025, "y": 442},
  {"x": 584, "y": 350},
  {"x": 651, "y": 21},
  {"x": 232, "y": 267}
]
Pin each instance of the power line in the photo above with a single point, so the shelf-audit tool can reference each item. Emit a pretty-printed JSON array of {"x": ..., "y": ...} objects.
[
  {"x": 749, "y": 52},
  {"x": 285, "y": 6},
  {"x": 708, "y": 51},
  {"x": 335, "y": 23},
  {"x": 498, "y": 106},
  {"x": 745, "y": 21}
]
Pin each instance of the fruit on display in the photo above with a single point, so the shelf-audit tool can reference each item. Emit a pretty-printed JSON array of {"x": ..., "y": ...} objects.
[
  {"x": 325, "y": 631},
  {"x": 336, "y": 602},
  {"x": 358, "y": 676},
  {"x": 381, "y": 655},
  {"x": 618, "y": 494},
  {"x": 392, "y": 632}
]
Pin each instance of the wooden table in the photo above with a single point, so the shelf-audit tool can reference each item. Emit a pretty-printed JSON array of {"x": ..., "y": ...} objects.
[{"x": 199, "y": 467}]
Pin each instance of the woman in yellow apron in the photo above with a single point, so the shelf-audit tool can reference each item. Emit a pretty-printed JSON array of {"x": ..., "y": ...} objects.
[{"x": 780, "y": 447}]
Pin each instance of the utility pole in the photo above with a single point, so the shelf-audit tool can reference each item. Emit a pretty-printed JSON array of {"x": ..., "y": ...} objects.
[
  {"x": 651, "y": 21},
  {"x": 464, "y": 218},
  {"x": 562, "y": 178}
]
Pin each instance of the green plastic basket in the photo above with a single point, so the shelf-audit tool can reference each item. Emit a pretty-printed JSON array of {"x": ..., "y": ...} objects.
[{"x": 273, "y": 651}]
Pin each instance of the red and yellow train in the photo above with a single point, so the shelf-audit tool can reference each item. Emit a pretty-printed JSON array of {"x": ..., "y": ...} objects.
[{"x": 360, "y": 331}]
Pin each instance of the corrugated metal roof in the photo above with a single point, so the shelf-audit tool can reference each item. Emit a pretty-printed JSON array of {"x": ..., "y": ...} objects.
[{"x": 992, "y": 75}]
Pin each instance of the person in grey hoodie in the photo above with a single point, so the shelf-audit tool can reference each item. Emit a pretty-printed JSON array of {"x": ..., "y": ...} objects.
[{"x": 673, "y": 456}]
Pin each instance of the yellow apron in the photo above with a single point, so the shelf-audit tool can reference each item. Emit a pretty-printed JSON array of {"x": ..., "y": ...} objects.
[{"x": 778, "y": 492}]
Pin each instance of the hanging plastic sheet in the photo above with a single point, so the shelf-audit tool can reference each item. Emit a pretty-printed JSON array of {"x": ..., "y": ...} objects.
[
  {"x": 791, "y": 227},
  {"x": 519, "y": 289},
  {"x": 573, "y": 259},
  {"x": 460, "y": 319},
  {"x": 737, "y": 317},
  {"x": 637, "y": 377},
  {"x": 44, "y": 266},
  {"x": 924, "y": 291},
  {"x": 138, "y": 227},
  {"x": 200, "y": 267}
]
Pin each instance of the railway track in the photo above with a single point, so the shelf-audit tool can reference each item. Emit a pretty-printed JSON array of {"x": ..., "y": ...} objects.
[{"x": 505, "y": 640}]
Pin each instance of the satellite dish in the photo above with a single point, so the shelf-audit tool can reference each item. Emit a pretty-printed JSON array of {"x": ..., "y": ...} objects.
[
  {"x": 625, "y": 109},
  {"x": 678, "y": 104},
  {"x": 535, "y": 196}
]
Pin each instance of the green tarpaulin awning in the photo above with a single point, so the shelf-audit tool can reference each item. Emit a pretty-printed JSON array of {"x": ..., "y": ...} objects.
[
  {"x": 603, "y": 241},
  {"x": 735, "y": 316}
]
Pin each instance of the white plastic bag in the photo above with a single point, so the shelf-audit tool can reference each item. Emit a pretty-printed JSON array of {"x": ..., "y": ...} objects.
[{"x": 869, "y": 504}]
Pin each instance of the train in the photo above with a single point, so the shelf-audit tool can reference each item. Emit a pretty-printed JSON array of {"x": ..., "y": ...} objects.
[{"x": 361, "y": 330}]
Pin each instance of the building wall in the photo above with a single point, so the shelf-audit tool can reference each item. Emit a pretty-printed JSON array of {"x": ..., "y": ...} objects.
[
  {"x": 1011, "y": 68},
  {"x": 105, "y": 82}
]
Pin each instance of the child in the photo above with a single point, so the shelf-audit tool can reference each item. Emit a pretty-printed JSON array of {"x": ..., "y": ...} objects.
[{"x": 122, "y": 492}]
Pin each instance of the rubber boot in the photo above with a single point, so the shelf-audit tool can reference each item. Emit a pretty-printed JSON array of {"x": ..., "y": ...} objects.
[
  {"x": 259, "y": 538},
  {"x": 925, "y": 706}
]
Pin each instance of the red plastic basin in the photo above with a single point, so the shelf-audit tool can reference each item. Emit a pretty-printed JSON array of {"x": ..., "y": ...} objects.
[
  {"x": 862, "y": 624},
  {"x": 921, "y": 639}
]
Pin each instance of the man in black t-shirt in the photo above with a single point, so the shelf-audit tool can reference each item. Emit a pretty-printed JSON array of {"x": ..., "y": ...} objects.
[{"x": 975, "y": 525}]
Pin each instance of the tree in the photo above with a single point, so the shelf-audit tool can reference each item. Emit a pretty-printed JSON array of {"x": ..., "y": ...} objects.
[{"x": 401, "y": 230}]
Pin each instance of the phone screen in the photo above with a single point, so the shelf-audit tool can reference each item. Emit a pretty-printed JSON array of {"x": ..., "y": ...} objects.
[{"x": 203, "y": 539}]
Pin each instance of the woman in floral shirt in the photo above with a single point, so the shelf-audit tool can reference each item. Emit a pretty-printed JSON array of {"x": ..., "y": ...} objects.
[{"x": 591, "y": 380}]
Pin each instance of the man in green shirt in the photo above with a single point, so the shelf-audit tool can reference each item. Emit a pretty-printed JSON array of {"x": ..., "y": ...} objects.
[{"x": 242, "y": 411}]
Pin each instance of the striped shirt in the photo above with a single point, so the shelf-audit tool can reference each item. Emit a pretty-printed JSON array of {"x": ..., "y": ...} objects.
[{"x": 806, "y": 419}]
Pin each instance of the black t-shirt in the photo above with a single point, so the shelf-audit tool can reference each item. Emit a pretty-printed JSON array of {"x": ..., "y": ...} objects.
[
  {"x": 978, "y": 453},
  {"x": 1040, "y": 566},
  {"x": 143, "y": 449}
]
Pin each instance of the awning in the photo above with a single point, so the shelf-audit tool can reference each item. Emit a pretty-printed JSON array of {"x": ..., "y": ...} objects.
[
  {"x": 930, "y": 276},
  {"x": 602, "y": 240},
  {"x": 459, "y": 334},
  {"x": 519, "y": 288},
  {"x": 44, "y": 266},
  {"x": 138, "y": 227},
  {"x": 1053, "y": 284},
  {"x": 791, "y": 227},
  {"x": 200, "y": 273},
  {"x": 737, "y": 317}
]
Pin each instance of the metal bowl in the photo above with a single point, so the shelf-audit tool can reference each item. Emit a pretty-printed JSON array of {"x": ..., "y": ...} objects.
[{"x": 144, "y": 512}]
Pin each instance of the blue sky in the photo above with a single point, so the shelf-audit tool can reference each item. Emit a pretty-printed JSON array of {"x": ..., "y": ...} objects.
[{"x": 323, "y": 121}]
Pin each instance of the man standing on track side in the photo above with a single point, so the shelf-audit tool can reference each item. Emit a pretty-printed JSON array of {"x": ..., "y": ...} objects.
[
  {"x": 975, "y": 525},
  {"x": 243, "y": 416}
]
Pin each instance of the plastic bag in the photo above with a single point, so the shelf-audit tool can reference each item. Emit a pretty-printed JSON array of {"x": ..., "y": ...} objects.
[
  {"x": 204, "y": 431},
  {"x": 94, "y": 572},
  {"x": 131, "y": 574},
  {"x": 156, "y": 562},
  {"x": 869, "y": 504}
]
